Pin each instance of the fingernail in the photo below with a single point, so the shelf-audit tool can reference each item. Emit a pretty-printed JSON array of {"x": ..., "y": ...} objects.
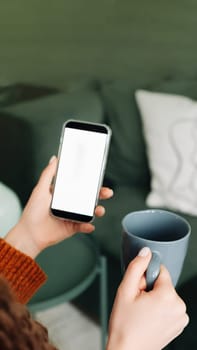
[
  {"x": 112, "y": 192},
  {"x": 102, "y": 210},
  {"x": 51, "y": 159},
  {"x": 144, "y": 251}
]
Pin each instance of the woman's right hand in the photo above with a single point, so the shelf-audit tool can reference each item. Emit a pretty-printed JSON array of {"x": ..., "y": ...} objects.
[{"x": 143, "y": 320}]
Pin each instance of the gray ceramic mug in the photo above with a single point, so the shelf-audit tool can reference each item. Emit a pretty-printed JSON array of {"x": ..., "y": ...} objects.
[{"x": 165, "y": 233}]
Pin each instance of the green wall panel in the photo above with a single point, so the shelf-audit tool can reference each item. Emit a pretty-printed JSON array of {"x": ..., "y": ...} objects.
[{"x": 52, "y": 41}]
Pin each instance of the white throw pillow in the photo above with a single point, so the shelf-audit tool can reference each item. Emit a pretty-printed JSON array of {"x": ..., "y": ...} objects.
[{"x": 170, "y": 131}]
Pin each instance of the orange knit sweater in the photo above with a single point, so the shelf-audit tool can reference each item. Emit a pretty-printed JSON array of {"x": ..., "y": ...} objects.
[{"x": 21, "y": 271}]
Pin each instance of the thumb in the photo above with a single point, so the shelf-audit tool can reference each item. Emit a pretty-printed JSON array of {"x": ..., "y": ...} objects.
[
  {"x": 48, "y": 173},
  {"x": 132, "y": 280}
]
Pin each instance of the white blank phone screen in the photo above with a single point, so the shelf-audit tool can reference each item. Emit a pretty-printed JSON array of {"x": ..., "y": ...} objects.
[{"x": 79, "y": 169}]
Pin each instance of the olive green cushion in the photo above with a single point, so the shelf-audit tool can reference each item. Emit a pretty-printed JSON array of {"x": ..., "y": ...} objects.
[
  {"x": 179, "y": 86},
  {"x": 127, "y": 159},
  {"x": 45, "y": 117},
  {"x": 16, "y": 155}
]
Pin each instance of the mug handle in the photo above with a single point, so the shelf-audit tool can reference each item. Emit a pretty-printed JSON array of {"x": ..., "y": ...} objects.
[{"x": 153, "y": 270}]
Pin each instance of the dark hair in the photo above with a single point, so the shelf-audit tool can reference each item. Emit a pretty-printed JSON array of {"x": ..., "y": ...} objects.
[{"x": 18, "y": 330}]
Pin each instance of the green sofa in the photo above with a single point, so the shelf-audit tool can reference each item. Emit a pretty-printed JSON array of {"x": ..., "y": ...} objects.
[{"x": 30, "y": 133}]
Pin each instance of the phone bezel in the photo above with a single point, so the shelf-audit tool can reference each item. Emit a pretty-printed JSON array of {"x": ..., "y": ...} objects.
[{"x": 82, "y": 125}]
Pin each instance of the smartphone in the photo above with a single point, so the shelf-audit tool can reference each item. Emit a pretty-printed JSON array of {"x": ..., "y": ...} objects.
[{"x": 82, "y": 159}]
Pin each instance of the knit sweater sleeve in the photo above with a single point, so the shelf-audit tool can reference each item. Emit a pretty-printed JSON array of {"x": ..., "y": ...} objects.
[{"x": 23, "y": 274}]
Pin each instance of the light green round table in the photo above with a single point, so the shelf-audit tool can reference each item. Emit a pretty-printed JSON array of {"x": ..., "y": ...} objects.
[
  {"x": 10, "y": 209},
  {"x": 72, "y": 266}
]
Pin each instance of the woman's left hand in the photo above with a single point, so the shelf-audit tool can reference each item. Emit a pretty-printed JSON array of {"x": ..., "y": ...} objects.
[{"x": 37, "y": 228}]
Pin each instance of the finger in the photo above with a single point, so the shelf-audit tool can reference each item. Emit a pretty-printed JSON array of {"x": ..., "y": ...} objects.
[
  {"x": 164, "y": 279},
  {"x": 99, "y": 211},
  {"x": 143, "y": 284},
  {"x": 85, "y": 228},
  {"x": 134, "y": 275},
  {"x": 105, "y": 193},
  {"x": 48, "y": 173}
]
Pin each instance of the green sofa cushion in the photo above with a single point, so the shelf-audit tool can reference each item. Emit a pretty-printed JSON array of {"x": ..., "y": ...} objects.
[
  {"x": 16, "y": 155},
  {"x": 127, "y": 159},
  {"x": 45, "y": 117},
  {"x": 178, "y": 86}
]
